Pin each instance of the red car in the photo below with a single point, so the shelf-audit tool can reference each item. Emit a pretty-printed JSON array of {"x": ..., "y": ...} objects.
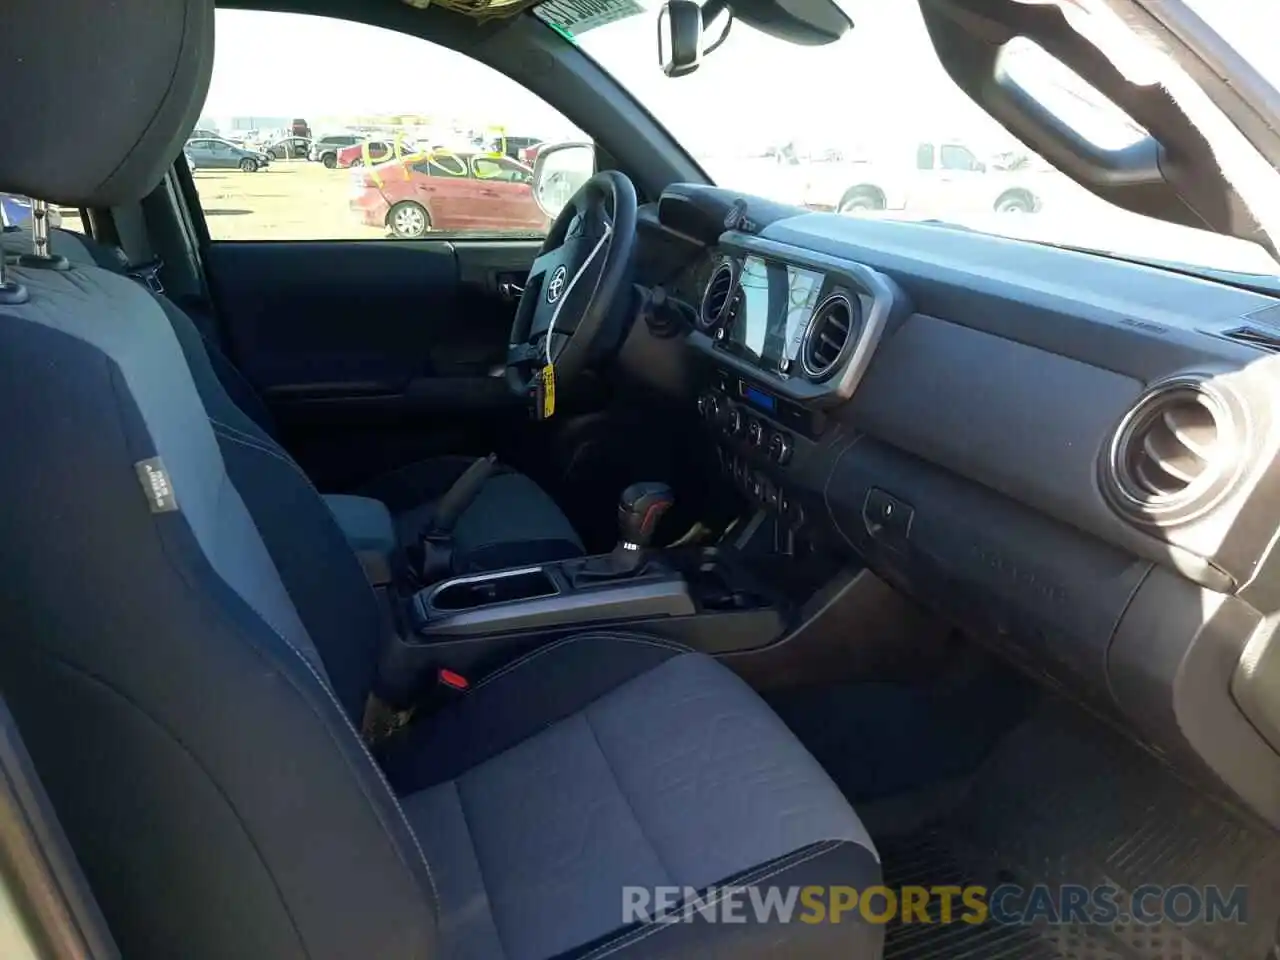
[
  {"x": 354, "y": 155},
  {"x": 449, "y": 191}
]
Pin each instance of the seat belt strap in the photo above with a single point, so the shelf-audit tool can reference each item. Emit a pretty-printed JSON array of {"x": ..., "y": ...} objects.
[
  {"x": 462, "y": 494},
  {"x": 437, "y": 540}
]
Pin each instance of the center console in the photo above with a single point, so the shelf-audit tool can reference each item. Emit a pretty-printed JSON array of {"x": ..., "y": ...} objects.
[
  {"x": 553, "y": 594},
  {"x": 703, "y": 597},
  {"x": 786, "y": 336}
]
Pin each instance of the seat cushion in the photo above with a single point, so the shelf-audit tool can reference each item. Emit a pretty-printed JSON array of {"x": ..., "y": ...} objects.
[
  {"x": 607, "y": 761},
  {"x": 511, "y": 521}
]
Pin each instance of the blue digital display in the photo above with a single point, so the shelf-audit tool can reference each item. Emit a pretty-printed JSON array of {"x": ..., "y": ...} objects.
[{"x": 759, "y": 398}]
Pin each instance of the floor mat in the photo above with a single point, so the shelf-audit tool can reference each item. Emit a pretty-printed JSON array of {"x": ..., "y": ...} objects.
[
  {"x": 1065, "y": 800},
  {"x": 887, "y": 739}
]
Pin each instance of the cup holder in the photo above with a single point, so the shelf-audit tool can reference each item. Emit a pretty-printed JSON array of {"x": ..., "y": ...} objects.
[{"x": 468, "y": 593}]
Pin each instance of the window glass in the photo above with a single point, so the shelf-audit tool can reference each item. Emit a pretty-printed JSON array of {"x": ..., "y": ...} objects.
[
  {"x": 492, "y": 168},
  {"x": 765, "y": 132},
  {"x": 957, "y": 158},
  {"x": 427, "y": 140}
]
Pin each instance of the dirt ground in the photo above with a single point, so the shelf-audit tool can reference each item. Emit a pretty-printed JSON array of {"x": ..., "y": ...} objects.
[{"x": 289, "y": 200}]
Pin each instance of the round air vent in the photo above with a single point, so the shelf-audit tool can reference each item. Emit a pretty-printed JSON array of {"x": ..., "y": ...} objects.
[
  {"x": 831, "y": 330},
  {"x": 1176, "y": 453},
  {"x": 716, "y": 297}
]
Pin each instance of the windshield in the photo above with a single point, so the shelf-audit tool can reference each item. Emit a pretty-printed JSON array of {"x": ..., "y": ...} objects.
[{"x": 873, "y": 126}]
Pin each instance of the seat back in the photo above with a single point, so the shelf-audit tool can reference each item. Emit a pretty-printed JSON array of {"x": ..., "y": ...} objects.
[
  {"x": 176, "y": 708},
  {"x": 173, "y": 700}
]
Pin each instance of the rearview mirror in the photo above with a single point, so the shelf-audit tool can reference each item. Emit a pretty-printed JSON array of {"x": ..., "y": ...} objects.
[
  {"x": 680, "y": 37},
  {"x": 559, "y": 172}
]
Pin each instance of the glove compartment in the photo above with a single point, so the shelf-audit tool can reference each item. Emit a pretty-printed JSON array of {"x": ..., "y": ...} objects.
[{"x": 1047, "y": 596}]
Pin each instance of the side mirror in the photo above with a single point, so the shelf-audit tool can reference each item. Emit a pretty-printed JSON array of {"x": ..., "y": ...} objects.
[
  {"x": 680, "y": 37},
  {"x": 559, "y": 172}
]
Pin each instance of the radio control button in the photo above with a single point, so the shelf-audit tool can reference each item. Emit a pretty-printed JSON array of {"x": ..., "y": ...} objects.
[
  {"x": 755, "y": 433},
  {"x": 734, "y": 421},
  {"x": 780, "y": 449}
]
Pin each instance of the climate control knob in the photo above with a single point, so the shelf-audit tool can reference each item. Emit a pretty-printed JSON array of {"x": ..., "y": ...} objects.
[
  {"x": 734, "y": 421},
  {"x": 780, "y": 449},
  {"x": 711, "y": 406},
  {"x": 755, "y": 433}
]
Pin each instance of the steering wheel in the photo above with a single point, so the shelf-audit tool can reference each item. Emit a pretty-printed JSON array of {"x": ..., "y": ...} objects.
[{"x": 578, "y": 279}]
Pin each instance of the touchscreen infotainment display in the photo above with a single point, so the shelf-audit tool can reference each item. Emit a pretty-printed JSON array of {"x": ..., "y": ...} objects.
[{"x": 776, "y": 302}]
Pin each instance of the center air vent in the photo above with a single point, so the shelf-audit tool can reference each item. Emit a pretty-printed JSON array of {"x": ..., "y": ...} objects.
[
  {"x": 716, "y": 296},
  {"x": 829, "y": 332},
  {"x": 1175, "y": 454}
]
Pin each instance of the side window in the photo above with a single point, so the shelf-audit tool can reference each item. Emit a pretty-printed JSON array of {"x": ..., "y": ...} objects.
[
  {"x": 438, "y": 163},
  {"x": 924, "y": 156},
  {"x": 502, "y": 169},
  {"x": 459, "y": 130},
  {"x": 958, "y": 158},
  {"x": 514, "y": 172}
]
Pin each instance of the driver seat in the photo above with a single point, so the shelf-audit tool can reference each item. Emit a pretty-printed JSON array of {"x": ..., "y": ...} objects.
[{"x": 510, "y": 521}]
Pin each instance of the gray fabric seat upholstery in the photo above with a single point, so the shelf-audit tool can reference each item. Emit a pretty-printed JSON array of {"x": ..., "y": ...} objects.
[
  {"x": 511, "y": 521},
  {"x": 637, "y": 764},
  {"x": 190, "y": 639}
]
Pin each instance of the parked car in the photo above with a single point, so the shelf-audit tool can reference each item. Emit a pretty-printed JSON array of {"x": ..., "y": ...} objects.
[
  {"x": 942, "y": 175},
  {"x": 453, "y": 191},
  {"x": 515, "y": 147},
  {"x": 222, "y": 154},
  {"x": 528, "y": 155},
  {"x": 289, "y": 148},
  {"x": 325, "y": 150},
  {"x": 367, "y": 153},
  {"x": 300, "y": 128}
]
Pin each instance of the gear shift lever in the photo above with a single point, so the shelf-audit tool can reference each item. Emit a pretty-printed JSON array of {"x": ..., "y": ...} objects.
[{"x": 640, "y": 508}]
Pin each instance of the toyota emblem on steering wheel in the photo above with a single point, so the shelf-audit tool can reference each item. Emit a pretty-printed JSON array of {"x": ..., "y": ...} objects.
[{"x": 555, "y": 289}]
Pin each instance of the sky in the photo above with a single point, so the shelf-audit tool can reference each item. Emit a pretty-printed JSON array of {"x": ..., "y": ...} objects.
[{"x": 880, "y": 82}]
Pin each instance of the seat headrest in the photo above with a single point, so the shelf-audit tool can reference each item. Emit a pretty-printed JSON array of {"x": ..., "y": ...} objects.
[{"x": 97, "y": 96}]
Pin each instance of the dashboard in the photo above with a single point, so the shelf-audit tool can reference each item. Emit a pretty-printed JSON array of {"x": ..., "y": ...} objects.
[{"x": 1074, "y": 458}]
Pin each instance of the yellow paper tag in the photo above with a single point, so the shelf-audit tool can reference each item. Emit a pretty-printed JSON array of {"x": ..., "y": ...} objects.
[{"x": 548, "y": 390}]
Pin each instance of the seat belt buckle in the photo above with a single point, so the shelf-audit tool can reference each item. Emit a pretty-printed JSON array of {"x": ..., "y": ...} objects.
[
  {"x": 437, "y": 556},
  {"x": 147, "y": 274},
  {"x": 381, "y": 719}
]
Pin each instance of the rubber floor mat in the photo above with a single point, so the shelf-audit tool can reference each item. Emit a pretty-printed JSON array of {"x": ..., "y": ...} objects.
[{"x": 1065, "y": 800}]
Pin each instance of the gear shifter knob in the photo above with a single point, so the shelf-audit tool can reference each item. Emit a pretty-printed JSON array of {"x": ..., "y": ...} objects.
[{"x": 641, "y": 507}]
